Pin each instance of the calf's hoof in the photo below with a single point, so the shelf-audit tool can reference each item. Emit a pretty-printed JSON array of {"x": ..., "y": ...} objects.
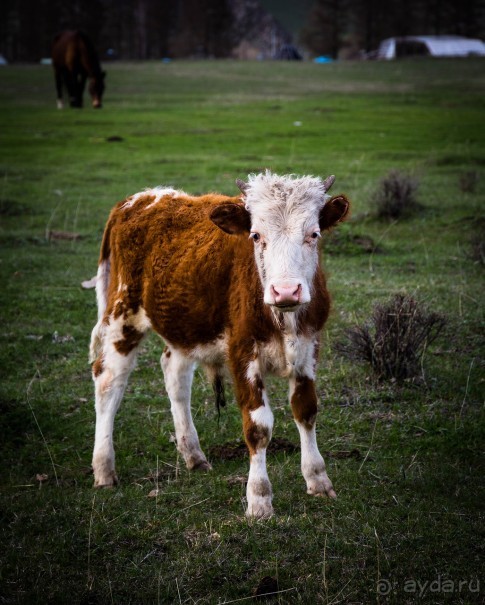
[
  {"x": 317, "y": 482},
  {"x": 260, "y": 496},
  {"x": 108, "y": 479},
  {"x": 202, "y": 466},
  {"x": 260, "y": 508},
  {"x": 321, "y": 489},
  {"x": 326, "y": 494}
]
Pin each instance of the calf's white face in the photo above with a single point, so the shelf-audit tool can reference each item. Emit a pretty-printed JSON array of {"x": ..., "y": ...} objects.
[
  {"x": 286, "y": 254},
  {"x": 285, "y": 216}
]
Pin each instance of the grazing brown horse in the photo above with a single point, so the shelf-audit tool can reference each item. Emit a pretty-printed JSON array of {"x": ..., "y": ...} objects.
[{"x": 75, "y": 59}]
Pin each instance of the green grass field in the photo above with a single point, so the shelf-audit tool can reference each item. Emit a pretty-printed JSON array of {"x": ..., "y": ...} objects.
[{"x": 406, "y": 459}]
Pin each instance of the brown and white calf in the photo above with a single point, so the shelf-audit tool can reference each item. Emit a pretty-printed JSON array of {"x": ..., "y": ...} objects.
[{"x": 227, "y": 282}]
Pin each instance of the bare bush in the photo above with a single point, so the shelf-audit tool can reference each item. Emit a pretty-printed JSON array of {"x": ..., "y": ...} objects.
[
  {"x": 395, "y": 196},
  {"x": 396, "y": 338},
  {"x": 469, "y": 181},
  {"x": 477, "y": 248}
]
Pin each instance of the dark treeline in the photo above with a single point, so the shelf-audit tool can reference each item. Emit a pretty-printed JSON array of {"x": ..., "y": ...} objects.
[
  {"x": 145, "y": 29},
  {"x": 135, "y": 29},
  {"x": 140, "y": 29}
]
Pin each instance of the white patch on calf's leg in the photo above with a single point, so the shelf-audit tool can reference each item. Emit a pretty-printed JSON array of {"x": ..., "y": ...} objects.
[
  {"x": 263, "y": 416},
  {"x": 259, "y": 493},
  {"x": 253, "y": 371},
  {"x": 312, "y": 464},
  {"x": 178, "y": 371},
  {"x": 140, "y": 321},
  {"x": 105, "y": 381},
  {"x": 96, "y": 341}
]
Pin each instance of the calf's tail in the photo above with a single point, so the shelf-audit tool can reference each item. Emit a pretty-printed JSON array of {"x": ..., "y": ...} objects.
[
  {"x": 218, "y": 386},
  {"x": 102, "y": 285}
]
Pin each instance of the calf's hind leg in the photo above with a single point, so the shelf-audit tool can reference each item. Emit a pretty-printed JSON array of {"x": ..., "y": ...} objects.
[
  {"x": 178, "y": 372},
  {"x": 115, "y": 360}
]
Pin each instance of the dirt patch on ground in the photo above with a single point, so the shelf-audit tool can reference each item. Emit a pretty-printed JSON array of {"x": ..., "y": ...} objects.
[
  {"x": 237, "y": 450},
  {"x": 351, "y": 244},
  {"x": 13, "y": 208}
]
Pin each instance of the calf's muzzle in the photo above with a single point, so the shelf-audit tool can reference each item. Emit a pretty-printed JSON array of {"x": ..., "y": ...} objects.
[{"x": 286, "y": 295}]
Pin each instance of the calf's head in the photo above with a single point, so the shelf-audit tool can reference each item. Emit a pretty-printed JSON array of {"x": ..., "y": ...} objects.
[{"x": 284, "y": 216}]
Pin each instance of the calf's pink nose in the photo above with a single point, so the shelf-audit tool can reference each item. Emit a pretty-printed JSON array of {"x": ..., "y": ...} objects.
[{"x": 286, "y": 295}]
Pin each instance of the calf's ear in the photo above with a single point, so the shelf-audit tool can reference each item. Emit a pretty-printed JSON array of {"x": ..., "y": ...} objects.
[
  {"x": 335, "y": 210},
  {"x": 231, "y": 218}
]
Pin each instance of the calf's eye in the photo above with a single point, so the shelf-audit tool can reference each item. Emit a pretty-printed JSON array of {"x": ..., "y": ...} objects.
[
  {"x": 315, "y": 234},
  {"x": 255, "y": 236}
]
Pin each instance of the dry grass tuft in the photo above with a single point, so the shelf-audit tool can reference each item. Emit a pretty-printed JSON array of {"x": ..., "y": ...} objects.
[
  {"x": 469, "y": 181},
  {"x": 476, "y": 251},
  {"x": 396, "y": 339},
  {"x": 395, "y": 196}
]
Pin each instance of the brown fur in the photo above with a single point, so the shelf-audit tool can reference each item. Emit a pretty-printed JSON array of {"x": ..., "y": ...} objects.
[
  {"x": 98, "y": 367},
  {"x": 197, "y": 282},
  {"x": 193, "y": 280},
  {"x": 131, "y": 339},
  {"x": 304, "y": 401}
]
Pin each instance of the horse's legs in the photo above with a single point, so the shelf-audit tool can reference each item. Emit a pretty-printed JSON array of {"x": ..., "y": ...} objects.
[
  {"x": 81, "y": 83},
  {"x": 59, "y": 82}
]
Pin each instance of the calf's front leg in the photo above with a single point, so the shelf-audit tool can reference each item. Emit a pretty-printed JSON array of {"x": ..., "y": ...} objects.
[
  {"x": 258, "y": 426},
  {"x": 303, "y": 400}
]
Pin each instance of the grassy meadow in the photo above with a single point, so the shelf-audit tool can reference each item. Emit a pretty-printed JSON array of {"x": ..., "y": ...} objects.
[{"x": 406, "y": 459}]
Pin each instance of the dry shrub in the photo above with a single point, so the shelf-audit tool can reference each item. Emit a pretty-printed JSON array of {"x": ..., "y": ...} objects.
[
  {"x": 469, "y": 181},
  {"x": 477, "y": 248},
  {"x": 476, "y": 245},
  {"x": 395, "y": 340},
  {"x": 395, "y": 196},
  {"x": 344, "y": 242}
]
